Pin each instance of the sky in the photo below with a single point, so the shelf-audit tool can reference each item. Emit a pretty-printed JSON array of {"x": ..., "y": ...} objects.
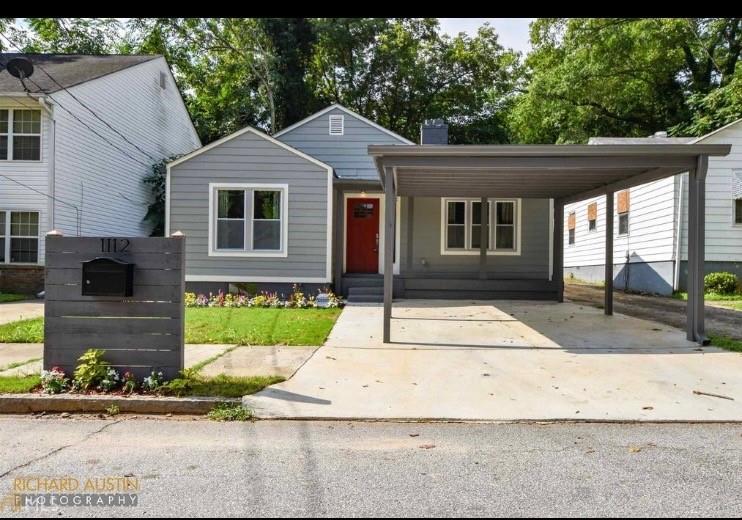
[{"x": 513, "y": 32}]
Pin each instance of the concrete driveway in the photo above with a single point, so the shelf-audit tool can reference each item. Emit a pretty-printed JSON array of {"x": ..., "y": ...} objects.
[{"x": 507, "y": 360}]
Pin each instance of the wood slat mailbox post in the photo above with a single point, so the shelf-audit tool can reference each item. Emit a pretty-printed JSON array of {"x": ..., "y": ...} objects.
[{"x": 121, "y": 295}]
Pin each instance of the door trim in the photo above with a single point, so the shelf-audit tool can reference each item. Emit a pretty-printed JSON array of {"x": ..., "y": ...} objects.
[{"x": 380, "y": 196}]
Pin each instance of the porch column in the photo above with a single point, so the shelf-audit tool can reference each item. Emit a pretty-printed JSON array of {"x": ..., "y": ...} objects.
[
  {"x": 609, "y": 216},
  {"x": 695, "y": 329},
  {"x": 558, "y": 260},
  {"x": 338, "y": 246},
  {"x": 483, "y": 233},
  {"x": 390, "y": 199}
]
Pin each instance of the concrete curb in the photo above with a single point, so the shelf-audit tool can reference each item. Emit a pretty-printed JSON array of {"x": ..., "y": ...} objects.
[{"x": 30, "y": 403}]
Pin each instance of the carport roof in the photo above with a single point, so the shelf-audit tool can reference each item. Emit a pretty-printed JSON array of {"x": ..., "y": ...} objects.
[{"x": 566, "y": 172}]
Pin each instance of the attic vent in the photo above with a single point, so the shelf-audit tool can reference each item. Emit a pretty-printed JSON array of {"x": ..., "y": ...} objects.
[
  {"x": 163, "y": 80},
  {"x": 337, "y": 125}
]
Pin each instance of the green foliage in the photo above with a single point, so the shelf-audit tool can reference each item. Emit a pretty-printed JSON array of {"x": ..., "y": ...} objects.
[
  {"x": 192, "y": 383},
  {"x": 12, "y": 297},
  {"x": 23, "y": 331},
  {"x": 721, "y": 283},
  {"x": 626, "y": 77},
  {"x": 74, "y": 36},
  {"x": 113, "y": 410},
  {"x": 91, "y": 369},
  {"x": 230, "y": 412},
  {"x": 155, "y": 179}
]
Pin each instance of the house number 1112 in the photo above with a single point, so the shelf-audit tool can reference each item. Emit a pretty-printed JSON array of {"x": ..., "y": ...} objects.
[{"x": 114, "y": 245}]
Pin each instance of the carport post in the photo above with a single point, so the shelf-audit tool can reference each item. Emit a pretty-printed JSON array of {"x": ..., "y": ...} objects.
[
  {"x": 484, "y": 215},
  {"x": 390, "y": 207},
  {"x": 558, "y": 260},
  {"x": 695, "y": 329},
  {"x": 608, "y": 305}
]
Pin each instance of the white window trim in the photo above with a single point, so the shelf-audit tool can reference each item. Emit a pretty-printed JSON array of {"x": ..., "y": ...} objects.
[
  {"x": 10, "y": 134},
  {"x": 336, "y": 117},
  {"x": 736, "y": 224},
  {"x": 282, "y": 253},
  {"x": 467, "y": 251},
  {"x": 7, "y": 237}
]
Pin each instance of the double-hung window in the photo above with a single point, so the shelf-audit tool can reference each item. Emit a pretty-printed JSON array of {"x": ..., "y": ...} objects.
[
  {"x": 248, "y": 220},
  {"x": 462, "y": 226},
  {"x": 20, "y": 134},
  {"x": 19, "y": 237}
]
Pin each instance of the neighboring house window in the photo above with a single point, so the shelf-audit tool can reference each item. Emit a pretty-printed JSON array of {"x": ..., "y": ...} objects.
[
  {"x": 737, "y": 194},
  {"x": 571, "y": 226},
  {"x": 623, "y": 212},
  {"x": 249, "y": 220},
  {"x": 592, "y": 216},
  {"x": 337, "y": 125},
  {"x": 19, "y": 237},
  {"x": 462, "y": 229},
  {"x": 20, "y": 135}
]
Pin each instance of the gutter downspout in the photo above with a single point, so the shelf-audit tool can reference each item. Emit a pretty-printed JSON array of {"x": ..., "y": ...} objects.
[
  {"x": 49, "y": 109},
  {"x": 678, "y": 237}
]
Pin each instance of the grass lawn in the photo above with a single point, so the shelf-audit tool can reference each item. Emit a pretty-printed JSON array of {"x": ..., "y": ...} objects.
[
  {"x": 193, "y": 384},
  {"x": 733, "y": 345},
  {"x": 731, "y": 301},
  {"x": 251, "y": 326},
  {"x": 18, "y": 384},
  {"x": 11, "y": 297},
  {"x": 23, "y": 331},
  {"x": 243, "y": 326}
]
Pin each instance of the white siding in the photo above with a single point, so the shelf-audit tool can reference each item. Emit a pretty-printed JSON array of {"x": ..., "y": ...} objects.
[
  {"x": 32, "y": 174},
  {"x": 105, "y": 183},
  {"x": 650, "y": 238},
  {"x": 723, "y": 238}
]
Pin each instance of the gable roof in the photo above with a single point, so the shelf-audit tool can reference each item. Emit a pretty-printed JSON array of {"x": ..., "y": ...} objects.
[
  {"x": 714, "y": 132},
  {"x": 67, "y": 69},
  {"x": 256, "y": 132},
  {"x": 350, "y": 113}
]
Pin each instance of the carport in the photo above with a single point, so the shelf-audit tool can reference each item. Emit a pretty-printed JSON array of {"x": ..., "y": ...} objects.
[{"x": 563, "y": 173}]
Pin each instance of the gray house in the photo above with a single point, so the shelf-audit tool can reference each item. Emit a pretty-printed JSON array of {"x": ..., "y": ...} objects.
[{"x": 337, "y": 199}]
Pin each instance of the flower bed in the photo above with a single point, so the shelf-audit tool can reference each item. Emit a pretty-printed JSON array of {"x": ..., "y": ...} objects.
[{"x": 296, "y": 300}]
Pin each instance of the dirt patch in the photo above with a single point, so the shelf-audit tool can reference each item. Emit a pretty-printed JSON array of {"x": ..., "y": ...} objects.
[{"x": 721, "y": 321}]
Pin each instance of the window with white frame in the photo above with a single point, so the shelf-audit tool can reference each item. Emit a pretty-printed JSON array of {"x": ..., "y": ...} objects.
[
  {"x": 337, "y": 125},
  {"x": 462, "y": 220},
  {"x": 737, "y": 195},
  {"x": 19, "y": 237},
  {"x": 20, "y": 134},
  {"x": 249, "y": 219}
]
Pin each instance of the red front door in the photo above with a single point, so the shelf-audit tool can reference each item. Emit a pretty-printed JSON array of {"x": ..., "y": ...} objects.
[{"x": 362, "y": 236}]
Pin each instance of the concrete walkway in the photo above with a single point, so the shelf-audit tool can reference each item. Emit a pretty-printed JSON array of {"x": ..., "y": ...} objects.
[
  {"x": 22, "y": 310},
  {"x": 18, "y": 359},
  {"x": 507, "y": 360}
]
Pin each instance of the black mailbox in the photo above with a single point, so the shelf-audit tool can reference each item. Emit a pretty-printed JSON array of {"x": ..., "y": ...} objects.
[{"x": 107, "y": 277}]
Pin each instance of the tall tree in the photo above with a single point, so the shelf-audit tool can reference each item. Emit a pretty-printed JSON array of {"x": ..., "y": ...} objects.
[
  {"x": 399, "y": 72},
  {"x": 621, "y": 77},
  {"x": 292, "y": 42},
  {"x": 73, "y": 35}
]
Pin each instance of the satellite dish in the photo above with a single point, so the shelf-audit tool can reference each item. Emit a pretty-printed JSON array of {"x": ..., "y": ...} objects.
[{"x": 21, "y": 68}]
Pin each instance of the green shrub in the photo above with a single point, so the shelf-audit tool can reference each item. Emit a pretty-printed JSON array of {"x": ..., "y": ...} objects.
[
  {"x": 91, "y": 369},
  {"x": 720, "y": 283},
  {"x": 229, "y": 412}
]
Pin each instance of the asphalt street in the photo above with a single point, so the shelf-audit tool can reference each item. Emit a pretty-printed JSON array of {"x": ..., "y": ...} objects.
[{"x": 188, "y": 467}]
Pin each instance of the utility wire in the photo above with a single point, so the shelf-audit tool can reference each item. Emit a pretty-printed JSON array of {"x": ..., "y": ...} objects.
[
  {"x": 154, "y": 159},
  {"x": 77, "y": 210}
]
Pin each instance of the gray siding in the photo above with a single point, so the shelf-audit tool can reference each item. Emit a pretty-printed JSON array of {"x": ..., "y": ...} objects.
[
  {"x": 249, "y": 158},
  {"x": 532, "y": 263},
  {"x": 348, "y": 153}
]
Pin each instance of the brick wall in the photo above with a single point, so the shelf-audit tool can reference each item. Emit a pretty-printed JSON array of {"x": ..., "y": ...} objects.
[{"x": 23, "y": 279}]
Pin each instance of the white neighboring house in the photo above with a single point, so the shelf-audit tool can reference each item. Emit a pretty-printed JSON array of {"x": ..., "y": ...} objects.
[
  {"x": 651, "y": 224},
  {"x": 76, "y": 139}
]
